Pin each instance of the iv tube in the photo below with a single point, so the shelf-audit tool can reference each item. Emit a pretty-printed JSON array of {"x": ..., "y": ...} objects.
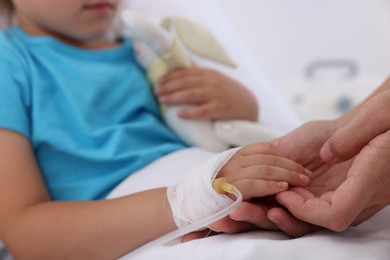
[{"x": 196, "y": 225}]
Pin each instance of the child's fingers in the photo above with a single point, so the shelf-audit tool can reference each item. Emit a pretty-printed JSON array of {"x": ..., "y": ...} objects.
[
  {"x": 184, "y": 96},
  {"x": 270, "y": 173},
  {"x": 182, "y": 73},
  {"x": 261, "y": 148},
  {"x": 273, "y": 160},
  {"x": 251, "y": 188},
  {"x": 269, "y": 149},
  {"x": 173, "y": 86},
  {"x": 180, "y": 79}
]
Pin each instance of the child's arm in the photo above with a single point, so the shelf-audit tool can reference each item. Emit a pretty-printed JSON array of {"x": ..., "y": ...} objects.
[
  {"x": 213, "y": 94},
  {"x": 34, "y": 227}
]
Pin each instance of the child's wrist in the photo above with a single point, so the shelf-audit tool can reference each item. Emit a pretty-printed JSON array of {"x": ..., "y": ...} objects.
[{"x": 194, "y": 198}]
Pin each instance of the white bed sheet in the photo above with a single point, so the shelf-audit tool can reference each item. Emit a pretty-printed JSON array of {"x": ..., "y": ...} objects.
[{"x": 370, "y": 240}]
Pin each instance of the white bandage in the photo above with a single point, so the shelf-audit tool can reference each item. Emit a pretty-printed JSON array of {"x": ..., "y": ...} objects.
[{"x": 194, "y": 198}]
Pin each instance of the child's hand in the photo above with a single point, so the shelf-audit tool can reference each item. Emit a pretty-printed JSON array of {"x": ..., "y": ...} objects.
[
  {"x": 212, "y": 94},
  {"x": 257, "y": 171},
  {"x": 261, "y": 169}
]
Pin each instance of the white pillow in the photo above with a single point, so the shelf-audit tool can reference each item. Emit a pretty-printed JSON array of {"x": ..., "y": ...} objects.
[{"x": 274, "y": 110}]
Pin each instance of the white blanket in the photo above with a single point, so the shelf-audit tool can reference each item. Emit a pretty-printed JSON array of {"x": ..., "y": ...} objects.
[{"x": 370, "y": 240}]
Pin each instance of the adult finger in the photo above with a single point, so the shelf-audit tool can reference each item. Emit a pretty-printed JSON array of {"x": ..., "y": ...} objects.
[
  {"x": 230, "y": 226},
  {"x": 366, "y": 214},
  {"x": 198, "y": 234},
  {"x": 337, "y": 213},
  {"x": 289, "y": 224},
  {"x": 253, "y": 213},
  {"x": 372, "y": 120}
]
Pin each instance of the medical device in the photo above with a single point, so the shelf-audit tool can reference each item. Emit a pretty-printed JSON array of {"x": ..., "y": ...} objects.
[{"x": 221, "y": 186}]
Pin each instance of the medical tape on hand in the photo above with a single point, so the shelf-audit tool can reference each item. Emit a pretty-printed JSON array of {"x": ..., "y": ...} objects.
[{"x": 194, "y": 198}]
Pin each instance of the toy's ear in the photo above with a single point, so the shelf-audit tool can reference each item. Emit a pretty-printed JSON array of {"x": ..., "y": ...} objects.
[{"x": 197, "y": 40}]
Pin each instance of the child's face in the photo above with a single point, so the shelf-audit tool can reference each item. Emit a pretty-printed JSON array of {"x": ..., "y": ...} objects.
[{"x": 72, "y": 20}]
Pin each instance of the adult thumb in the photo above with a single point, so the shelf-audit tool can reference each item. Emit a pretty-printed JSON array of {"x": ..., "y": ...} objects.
[{"x": 348, "y": 141}]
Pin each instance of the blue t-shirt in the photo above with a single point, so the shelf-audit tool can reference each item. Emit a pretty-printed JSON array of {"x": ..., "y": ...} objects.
[{"x": 90, "y": 115}]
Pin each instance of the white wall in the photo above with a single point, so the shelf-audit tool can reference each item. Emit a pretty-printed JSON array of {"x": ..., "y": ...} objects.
[{"x": 287, "y": 37}]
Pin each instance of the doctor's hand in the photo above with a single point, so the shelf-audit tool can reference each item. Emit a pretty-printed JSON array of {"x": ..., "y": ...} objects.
[
  {"x": 349, "y": 136},
  {"x": 211, "y": 94},
  {"x": 371, "y": 120},
  {"x": 345, "y": 193},
  {"x": 341, "y": 193},
  {"x": 335, "y": 198},
  {"x": 302, "y": 146}
]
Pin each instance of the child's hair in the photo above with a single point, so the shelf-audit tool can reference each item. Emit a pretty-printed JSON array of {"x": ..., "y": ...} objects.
[{"x": 6, "y": 9}]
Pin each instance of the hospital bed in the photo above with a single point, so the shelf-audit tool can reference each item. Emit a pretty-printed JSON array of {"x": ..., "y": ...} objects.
[{"x": 370, "y": 240}]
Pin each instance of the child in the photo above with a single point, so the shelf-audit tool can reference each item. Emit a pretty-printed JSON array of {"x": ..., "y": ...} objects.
[{"x": 77, "y": 117}]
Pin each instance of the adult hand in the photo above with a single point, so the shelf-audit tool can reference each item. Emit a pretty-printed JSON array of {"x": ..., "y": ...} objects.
[
  {"x": 303, "y": 144},
  {"x": 372, "y": 119},
  {"x": 254, "y": 215},
  {"x": 363, "y": 191},
  {"x": 347, "y": 137},
  {"x": 211, "y": 95}
]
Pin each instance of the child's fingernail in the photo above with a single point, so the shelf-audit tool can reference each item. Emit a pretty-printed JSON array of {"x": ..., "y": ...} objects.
[{"x": 283, "y": 185}]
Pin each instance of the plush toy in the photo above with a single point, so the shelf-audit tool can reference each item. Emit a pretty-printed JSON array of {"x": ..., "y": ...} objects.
[{"x": 161, "y": 51}]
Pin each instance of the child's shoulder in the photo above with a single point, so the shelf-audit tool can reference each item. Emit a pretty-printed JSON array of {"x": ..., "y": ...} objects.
[
  {"x": 8, "y": 41},
  {"x": 12, "y": 50},
  {"x": 8, "y": 37}
]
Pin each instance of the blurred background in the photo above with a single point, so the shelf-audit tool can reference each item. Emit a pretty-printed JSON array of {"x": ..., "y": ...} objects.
[{"x": 324, "y": 56}]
